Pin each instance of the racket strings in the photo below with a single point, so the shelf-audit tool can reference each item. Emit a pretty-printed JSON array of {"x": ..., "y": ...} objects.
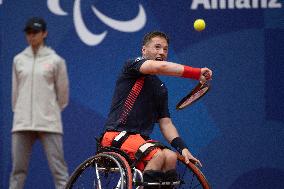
[{"x": 194, "y": 97}]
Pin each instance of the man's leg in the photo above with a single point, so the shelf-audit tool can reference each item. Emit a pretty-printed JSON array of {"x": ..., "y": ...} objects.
[
  {"x": 170, "y": 160},
  {"x": 163, "y": 160},
  {"x": 21, "y": 151},
  {"x": 154, "y": 170},
  {"x": 161, "y": 168},
  {"x": 169, "y": 168},
  {"x": 53, "y": 147},
  {"x": 157, "y": 161}
]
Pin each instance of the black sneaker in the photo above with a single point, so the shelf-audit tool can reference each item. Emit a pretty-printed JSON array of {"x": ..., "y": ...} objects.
[
  {"x": 153, "y": 176},
  {"x": 170, "y": 176}
]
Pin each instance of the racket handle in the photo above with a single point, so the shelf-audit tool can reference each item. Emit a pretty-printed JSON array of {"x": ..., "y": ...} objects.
[{"x": 206, "y": 75}]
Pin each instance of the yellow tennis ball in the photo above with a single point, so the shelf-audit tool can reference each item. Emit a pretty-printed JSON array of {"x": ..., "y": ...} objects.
[{"x": 199, "y": 25}]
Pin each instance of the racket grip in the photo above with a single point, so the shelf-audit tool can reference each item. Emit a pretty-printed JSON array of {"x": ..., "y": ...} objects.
[{"x": 207, "y": 75}]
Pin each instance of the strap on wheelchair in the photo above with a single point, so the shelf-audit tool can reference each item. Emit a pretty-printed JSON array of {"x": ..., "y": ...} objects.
[
  {"x": 98, "y": 143},
  {"x": 146, "y": 148},
  {"x": 119, "y": 139}
]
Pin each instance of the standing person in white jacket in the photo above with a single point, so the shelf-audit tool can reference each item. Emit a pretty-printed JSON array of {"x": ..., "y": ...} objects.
[{"x": 39, "y": 93}]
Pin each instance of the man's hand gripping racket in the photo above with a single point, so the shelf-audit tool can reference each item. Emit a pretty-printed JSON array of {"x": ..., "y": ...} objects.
[{"x": 198, "y": 91}]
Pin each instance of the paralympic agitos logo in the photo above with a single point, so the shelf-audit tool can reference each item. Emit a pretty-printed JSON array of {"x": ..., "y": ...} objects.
[{"x": 89, "y": 38}]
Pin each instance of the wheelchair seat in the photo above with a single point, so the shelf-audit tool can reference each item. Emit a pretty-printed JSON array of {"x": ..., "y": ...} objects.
[{"x": 101, "y": 149}]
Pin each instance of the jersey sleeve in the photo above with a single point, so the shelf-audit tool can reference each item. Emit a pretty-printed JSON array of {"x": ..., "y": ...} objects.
[{"x": 132, "y": 67}]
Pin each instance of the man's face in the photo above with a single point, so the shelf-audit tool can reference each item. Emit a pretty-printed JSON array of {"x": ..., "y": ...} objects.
[
  {"x": 156, "y": 49},
  {"x": 35, "y": 38}
]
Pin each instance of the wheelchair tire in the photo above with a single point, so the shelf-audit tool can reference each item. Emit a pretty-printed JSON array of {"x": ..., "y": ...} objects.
[
  {"x": 101, "y": 172},
  {"x": 191, "y": 176}
]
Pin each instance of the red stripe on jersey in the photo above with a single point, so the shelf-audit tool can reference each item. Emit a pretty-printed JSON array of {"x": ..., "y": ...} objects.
[{"x": 131, "y": 98}]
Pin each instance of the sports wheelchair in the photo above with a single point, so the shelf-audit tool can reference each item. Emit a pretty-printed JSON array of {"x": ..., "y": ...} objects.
[{"x": 111, "y": 168}]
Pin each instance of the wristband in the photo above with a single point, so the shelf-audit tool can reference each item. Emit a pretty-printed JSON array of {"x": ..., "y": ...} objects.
[
  {"x": 190, "y": 72},
  {"x": 178, "y": 144}
]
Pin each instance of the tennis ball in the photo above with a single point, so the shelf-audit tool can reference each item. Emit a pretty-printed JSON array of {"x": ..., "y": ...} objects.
[{"x": 199, "y": 25}]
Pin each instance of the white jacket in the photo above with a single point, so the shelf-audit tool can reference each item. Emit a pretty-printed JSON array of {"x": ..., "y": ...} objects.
[{"x": 39, "y": 90}]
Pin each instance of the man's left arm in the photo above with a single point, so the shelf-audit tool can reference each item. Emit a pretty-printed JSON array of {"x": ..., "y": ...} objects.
[{"x": 170, "y": 133}]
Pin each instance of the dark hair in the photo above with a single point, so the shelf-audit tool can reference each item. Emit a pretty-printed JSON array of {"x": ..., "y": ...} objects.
[{"x": 153, "y": 34}]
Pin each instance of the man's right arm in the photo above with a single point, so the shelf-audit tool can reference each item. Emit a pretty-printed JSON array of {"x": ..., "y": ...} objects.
[{"x": 173, "y": 69}]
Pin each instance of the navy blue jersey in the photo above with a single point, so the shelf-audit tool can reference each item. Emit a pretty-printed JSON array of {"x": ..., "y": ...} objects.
[{"x": 139, "y": 100}]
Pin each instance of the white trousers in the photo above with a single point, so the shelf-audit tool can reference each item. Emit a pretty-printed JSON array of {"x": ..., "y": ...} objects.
[{"x": 22, "y": 143}]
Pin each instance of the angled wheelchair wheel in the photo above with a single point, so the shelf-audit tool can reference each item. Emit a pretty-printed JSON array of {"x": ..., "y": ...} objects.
[
  {"x": 190, "y": 176},
  {"x": 103, "y": 171}
]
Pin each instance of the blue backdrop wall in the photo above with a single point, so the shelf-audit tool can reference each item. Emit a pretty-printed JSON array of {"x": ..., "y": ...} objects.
[{"x": 237, "y": 131}]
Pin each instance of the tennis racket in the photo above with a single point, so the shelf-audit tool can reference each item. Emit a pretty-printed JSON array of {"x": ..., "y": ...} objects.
[{"x": 195, "y": 94}]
